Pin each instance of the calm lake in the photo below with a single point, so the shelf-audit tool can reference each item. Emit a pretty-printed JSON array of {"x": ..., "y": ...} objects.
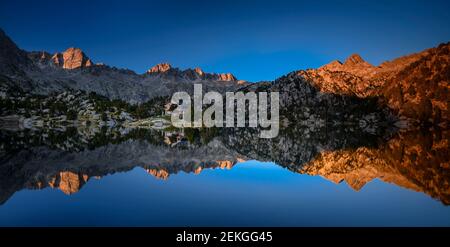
[{"x": 215, "y": 179}]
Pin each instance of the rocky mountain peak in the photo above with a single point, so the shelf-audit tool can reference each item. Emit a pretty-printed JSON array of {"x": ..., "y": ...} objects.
[
  {"x": 5, "y": 40},
  {"x": 333, "y": 66},
  {"x": 11, "y": 57},
  {"x": 227, "y": 77},
  {"x": 199, "y": 71},
  {"x": 72, "y": 58},
  {"x": 354, "y": 59},
  {"x": 354, "y": 64},
  {"x": 160, "y": 68}
]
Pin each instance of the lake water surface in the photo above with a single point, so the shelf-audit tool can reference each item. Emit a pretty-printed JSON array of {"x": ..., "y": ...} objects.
[{"x": 138, "y": 182}]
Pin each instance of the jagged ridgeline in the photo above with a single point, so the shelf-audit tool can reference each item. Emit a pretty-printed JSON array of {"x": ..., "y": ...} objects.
[{"x": 40, "y": 72}]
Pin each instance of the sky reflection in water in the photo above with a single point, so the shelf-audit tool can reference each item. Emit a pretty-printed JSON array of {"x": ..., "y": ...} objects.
[{"x": 252, "y": 193}]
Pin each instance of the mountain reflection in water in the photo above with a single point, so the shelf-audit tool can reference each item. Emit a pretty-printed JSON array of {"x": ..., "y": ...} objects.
[{"x": 68, "y": 158}]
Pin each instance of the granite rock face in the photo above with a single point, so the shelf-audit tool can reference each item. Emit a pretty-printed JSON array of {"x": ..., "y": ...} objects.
[
  {"x": 71, "y": 58},
  {"x": 160, "y": 68},
  {"x": 421, "y": 90}
]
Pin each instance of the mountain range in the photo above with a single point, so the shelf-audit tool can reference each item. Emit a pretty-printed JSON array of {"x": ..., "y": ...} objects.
[
  {"x": 43, "y": 73},
  {"x": 414, "y": 88}
]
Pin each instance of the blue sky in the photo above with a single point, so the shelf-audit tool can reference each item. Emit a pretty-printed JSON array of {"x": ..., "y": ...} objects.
[{"x": 255, "y": 40}]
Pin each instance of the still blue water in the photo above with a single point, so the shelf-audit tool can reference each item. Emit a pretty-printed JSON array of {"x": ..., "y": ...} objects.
[{"x": 252, "y": 193}]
